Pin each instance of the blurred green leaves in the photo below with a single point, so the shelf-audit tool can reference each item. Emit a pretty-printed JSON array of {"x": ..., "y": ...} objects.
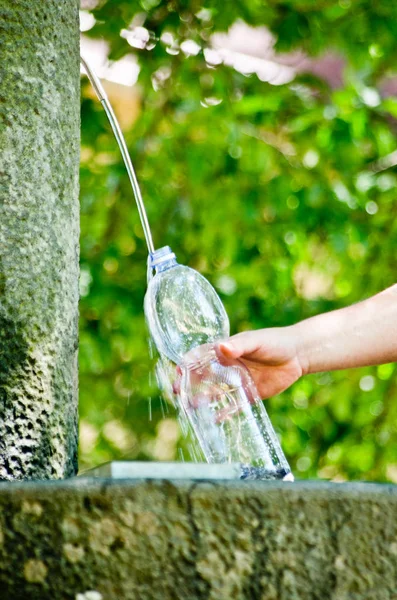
[{"x": 283, "y": 196}]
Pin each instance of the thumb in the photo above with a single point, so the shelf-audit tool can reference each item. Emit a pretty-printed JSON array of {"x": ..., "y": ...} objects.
[
  {"x": 228, "y": 350},
  {"x": 240, "y": 345}
]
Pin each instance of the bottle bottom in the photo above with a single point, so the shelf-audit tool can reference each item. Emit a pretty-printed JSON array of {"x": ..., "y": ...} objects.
[{"x": 261, "y": 473}]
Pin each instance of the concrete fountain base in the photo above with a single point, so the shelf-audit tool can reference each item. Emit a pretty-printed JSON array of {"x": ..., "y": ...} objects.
[{"x": 160, "y": 539}]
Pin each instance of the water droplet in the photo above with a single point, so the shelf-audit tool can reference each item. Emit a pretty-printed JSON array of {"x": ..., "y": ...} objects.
[
  {"x": 162, "y": 407},
  {"x": 150, "y": 408}
]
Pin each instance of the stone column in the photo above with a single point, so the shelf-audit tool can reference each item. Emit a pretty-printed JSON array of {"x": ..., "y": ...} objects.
[{"x": 39, "y": 237}]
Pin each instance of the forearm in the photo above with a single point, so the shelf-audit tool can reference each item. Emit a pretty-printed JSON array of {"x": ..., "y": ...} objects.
[{"x": 360, "y": 335}]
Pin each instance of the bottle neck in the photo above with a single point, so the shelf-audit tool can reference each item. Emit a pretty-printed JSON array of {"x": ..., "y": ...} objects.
[
  {"x": 162, "y": 259},
  {"x": 167, "y": 264}
]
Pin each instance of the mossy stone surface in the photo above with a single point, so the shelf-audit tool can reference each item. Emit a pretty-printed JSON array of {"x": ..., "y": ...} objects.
[
  {"x": 39, "y": 237},
  {"x": 164, "y": 540}
]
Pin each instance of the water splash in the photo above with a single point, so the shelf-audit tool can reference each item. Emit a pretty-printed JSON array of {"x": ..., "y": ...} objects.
[
  {"x": 150, "y": 408},
  {"x": 166, "y": 376}
]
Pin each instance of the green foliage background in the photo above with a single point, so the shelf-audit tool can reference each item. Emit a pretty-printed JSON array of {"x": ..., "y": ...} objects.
[{"x": 278, "y": 195}]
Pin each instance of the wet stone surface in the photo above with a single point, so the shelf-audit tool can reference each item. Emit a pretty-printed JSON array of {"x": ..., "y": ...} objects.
[{"x": 97, "y": 540}]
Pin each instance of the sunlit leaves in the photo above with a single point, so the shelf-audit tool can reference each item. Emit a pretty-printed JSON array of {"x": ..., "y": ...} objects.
[{"x": 283, "y": 196}]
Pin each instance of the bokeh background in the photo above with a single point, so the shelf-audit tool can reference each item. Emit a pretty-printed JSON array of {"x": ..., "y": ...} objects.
[{"x": 264, "y": 139}]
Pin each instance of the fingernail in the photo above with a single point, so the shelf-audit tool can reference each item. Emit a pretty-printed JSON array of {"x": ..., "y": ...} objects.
[{"x": 224, "y": 347}]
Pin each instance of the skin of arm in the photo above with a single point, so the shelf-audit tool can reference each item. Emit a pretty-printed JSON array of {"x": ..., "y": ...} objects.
[{"x": 359, "y": 335}]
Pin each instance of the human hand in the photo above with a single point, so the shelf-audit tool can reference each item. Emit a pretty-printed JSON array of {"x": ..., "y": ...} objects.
[
  {"x": 271, "y": 355},
  {"x": 204, "y": 386}
]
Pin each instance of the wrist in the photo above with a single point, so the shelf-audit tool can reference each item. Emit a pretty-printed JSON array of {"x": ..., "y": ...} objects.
[{"x": 301, "y": 347}]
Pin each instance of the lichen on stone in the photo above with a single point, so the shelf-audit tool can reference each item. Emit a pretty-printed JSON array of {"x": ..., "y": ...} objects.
[
  {"x": 35, "y": 571},
  {"x": 73, "y": 553}
]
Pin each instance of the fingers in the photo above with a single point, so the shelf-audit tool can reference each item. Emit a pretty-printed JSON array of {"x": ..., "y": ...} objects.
[{"x": 240, "y": 345}]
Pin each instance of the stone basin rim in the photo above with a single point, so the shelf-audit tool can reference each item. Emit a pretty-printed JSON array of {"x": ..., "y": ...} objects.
[{"x": 302, "y": 488}]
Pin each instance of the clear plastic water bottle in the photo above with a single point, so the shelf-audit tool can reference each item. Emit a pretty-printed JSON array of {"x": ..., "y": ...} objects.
[
  {"x": 182, "y": 308},
  {"x": 218, "y": 399}
]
